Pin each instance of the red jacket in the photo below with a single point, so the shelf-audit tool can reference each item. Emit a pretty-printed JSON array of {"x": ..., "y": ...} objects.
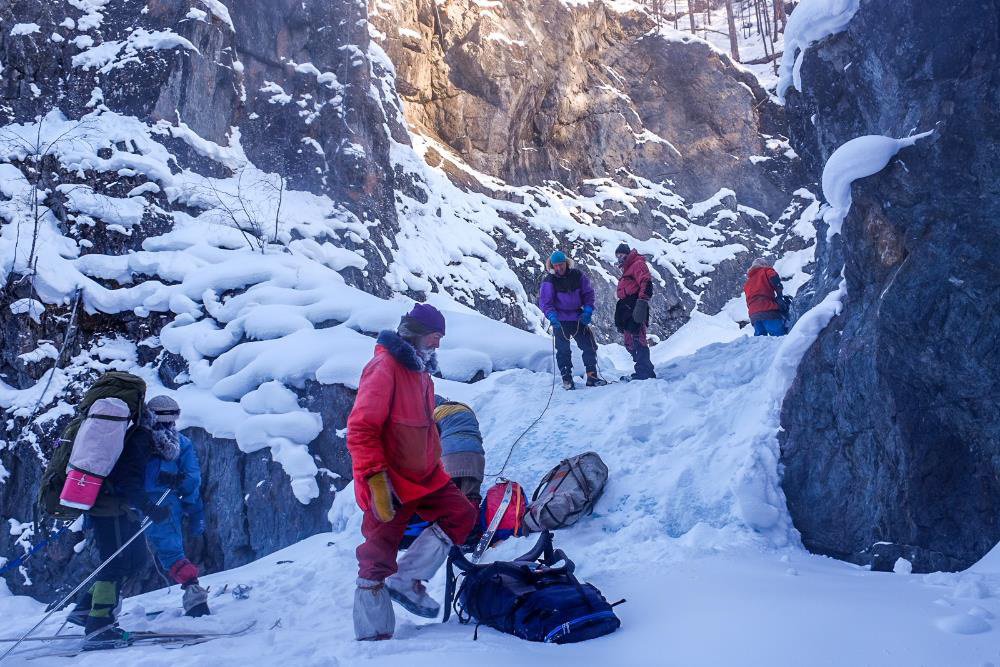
[
  {"x": 391, "y": 426},
  {"x": 759, "y": 290},
  {"x": 635, "y": 279}
]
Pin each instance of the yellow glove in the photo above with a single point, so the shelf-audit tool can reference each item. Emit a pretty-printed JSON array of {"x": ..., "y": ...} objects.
[{"x": 381, "y": 489}]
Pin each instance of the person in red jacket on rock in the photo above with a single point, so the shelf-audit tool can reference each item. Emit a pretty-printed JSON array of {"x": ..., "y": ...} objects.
[
  {"x": 396, "y": 454},
  {"x": 764, "y": 299},
  {"x": 635, "y": 289}
]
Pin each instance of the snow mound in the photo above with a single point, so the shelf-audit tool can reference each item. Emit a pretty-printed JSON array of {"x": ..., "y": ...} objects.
[
  {"x": 857, "y": 158},
  {"x": 963, "y": 624},
  {"x": 810, "y": 22}
]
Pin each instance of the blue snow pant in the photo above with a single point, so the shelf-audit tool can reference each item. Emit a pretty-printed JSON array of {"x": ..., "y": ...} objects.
[
  {"x": 167, "y": 537},
  {"x": 769, "y": 328},
  {"x": 584, "y": 340}
]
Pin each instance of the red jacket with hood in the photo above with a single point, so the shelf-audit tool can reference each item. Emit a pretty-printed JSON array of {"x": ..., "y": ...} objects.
[
  {"x": 391, "y": 426},
  {"x": 760, "y": 291},
  {"x": 636, "y": 279}
]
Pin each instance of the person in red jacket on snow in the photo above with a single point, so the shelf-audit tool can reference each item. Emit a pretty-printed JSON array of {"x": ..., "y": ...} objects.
[
  {"x": 764, "y": 299},
  {"x": 635, "y": 289},
  {"x": 396, "y": 454}
]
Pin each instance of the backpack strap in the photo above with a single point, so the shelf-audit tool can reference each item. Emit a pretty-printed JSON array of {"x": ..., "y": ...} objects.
[
  {"x": 542, "y": 549},
  {"x": 450, "y": 580},
  {"x": 110, "y": 418},
  {"x": 545, "y": 480},
  {"x": 560, "y": 523}
]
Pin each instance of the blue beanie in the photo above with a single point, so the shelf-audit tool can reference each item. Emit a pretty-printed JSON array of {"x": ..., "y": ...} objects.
[{"x": 558, "y": 257}]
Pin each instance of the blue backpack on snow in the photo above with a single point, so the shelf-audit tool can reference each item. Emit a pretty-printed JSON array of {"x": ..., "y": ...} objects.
[{"x": 535, "y": 597}]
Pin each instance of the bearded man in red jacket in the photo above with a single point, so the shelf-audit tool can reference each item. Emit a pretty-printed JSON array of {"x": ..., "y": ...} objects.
[
  {"x": 635, "y": 289},
  {"x": 396, "y": 454}
]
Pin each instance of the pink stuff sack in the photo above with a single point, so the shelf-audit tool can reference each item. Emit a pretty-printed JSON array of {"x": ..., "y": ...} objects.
[{"x": 96, "y": 449}]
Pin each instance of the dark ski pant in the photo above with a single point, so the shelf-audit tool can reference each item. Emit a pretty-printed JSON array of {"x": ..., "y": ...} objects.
[
  {"x": 638, "y": 346},
  {"x": 471, "y": 488},
  {"x": 769, "y": 328},
  {"x": 567, "y": 331},
  {"x": 109, "y": 534},
  {"x": 447, "y": 507}
]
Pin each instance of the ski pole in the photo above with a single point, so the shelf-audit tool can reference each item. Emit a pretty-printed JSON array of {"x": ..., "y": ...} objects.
[{"x": 142, "y": 528}]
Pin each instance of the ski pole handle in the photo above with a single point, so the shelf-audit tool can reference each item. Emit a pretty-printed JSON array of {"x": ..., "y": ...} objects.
[{"x": 142, "y": 528}]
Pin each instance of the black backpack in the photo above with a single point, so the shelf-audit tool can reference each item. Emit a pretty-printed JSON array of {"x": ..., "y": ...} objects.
[{"x": 535, "y": 597}]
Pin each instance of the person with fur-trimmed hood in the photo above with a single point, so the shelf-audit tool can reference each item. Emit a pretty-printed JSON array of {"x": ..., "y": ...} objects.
[
  {"x": 766, "y": 304},
  {"x": 174, "y": 466},
  {"x": 396, "y": 455},
  {"x": 635, "y": 289},
  {"x": 566, "y": 297}
]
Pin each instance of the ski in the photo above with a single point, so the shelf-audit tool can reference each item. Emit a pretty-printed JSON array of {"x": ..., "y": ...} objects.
[
  {"x": 169, "y": 642},
  {"x": 139, "y": 634},
  {"x": 487, "y": 538},
  {"x": 144, "y": 638},
  {"x": 51, "y": 638}
]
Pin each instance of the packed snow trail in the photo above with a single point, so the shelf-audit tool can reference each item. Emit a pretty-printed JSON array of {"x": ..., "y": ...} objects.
[{"x": 692, "y": 530}]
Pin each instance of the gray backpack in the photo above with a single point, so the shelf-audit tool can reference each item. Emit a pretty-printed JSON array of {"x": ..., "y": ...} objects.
[{"x": 567, "y": 493}]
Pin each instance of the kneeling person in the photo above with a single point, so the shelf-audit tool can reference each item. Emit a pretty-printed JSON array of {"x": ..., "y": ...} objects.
[{"x": 462, "y": 452}]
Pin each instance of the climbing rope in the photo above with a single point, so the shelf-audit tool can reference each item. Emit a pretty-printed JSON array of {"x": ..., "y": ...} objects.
[
  {"x": 548, "y": 402},
  {"x": 593, "y": 342},
  {"x": 552, "y": 391},
  {"x": 156, "y": 563}
]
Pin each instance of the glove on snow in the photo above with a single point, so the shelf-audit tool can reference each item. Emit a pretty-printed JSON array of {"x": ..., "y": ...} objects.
[
  {"x": 588, "y": 314},
  {"x": 381, "y": 490}
]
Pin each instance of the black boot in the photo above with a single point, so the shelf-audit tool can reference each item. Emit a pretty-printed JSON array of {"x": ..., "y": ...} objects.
[
  {"x": 100, "y": 628},
  {"x": 643, "y": 366},
  {"x": 594, "y": 381},
  {"x": 568, "y": 384},
  {"x": 195, "y": 600},
  {"x": 105, "y": 635}
]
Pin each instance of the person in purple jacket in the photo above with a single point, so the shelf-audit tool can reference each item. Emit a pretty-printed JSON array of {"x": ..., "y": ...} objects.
[{"x": 567, "y": 299}]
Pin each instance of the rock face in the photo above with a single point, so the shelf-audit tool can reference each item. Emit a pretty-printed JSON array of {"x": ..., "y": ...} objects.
[
  {"x": 532, "y": 92},
  {"x": 587, "y": 100},
  {"x": 892, "y": 427}
]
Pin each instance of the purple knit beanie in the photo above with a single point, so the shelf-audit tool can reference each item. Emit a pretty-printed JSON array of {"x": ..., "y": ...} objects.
[{"x": 424, "y": 319}]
